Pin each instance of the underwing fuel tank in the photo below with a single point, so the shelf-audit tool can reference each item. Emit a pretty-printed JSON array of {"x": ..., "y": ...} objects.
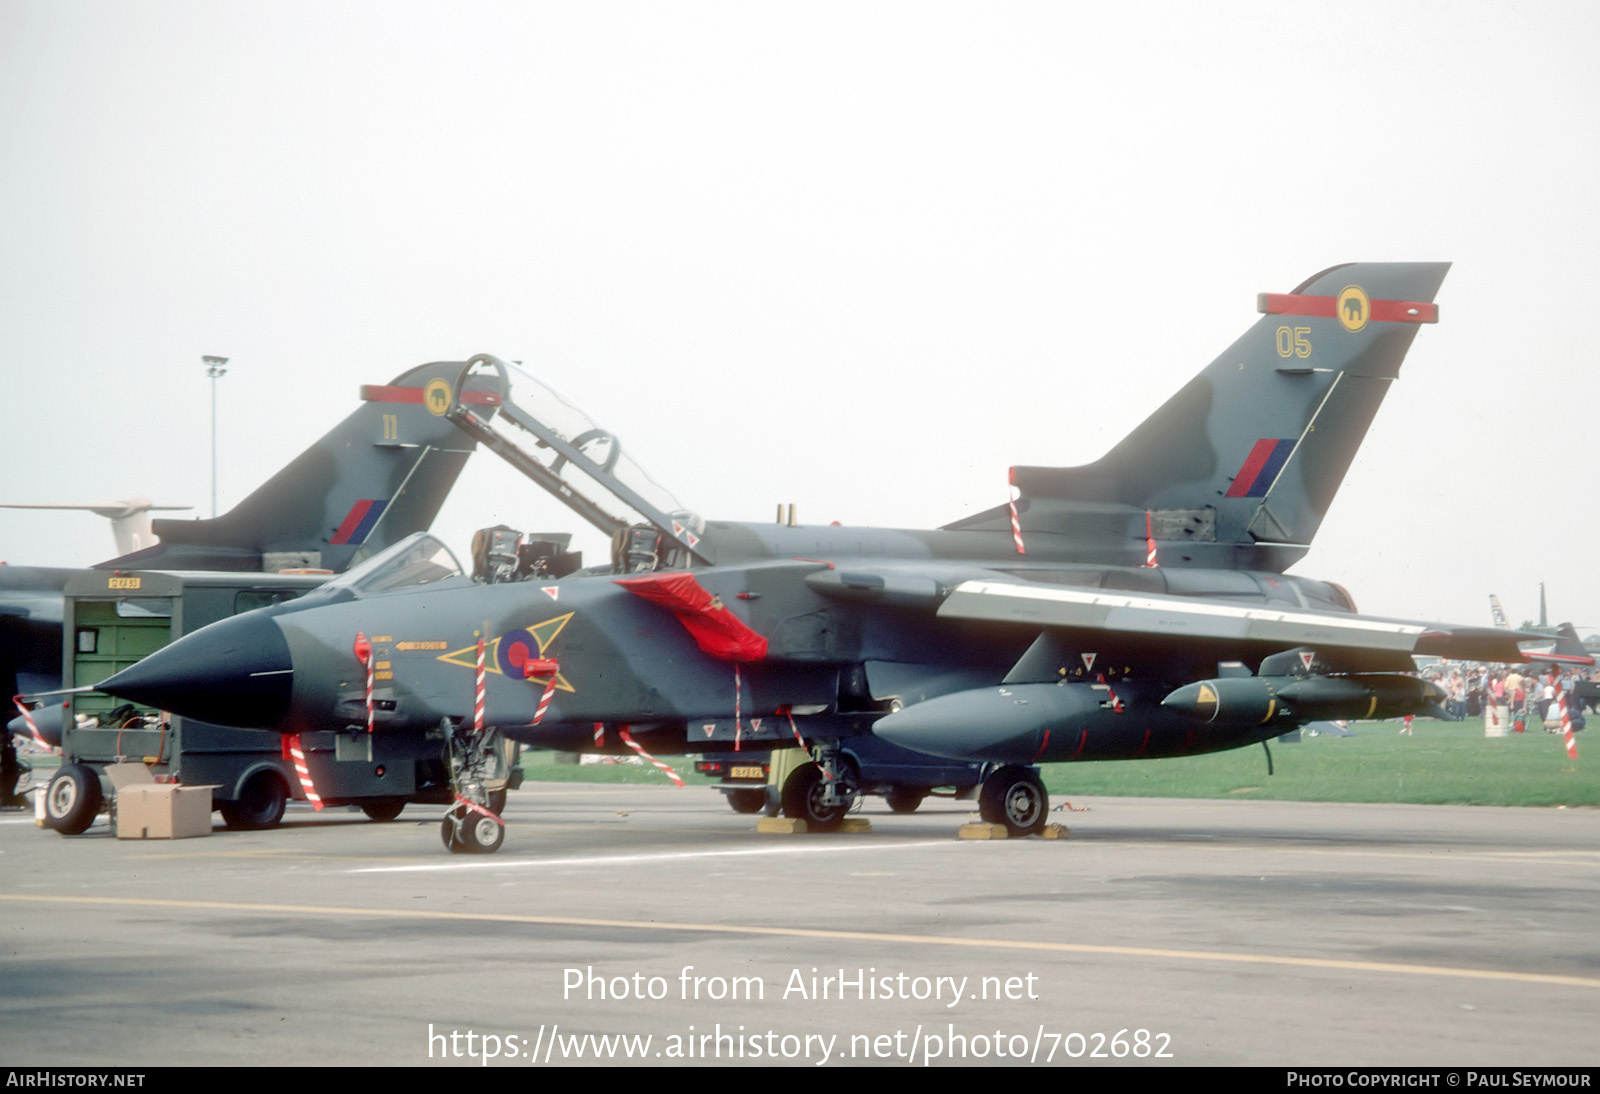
[
  {"x": 1035, "y": 723},
  {"x": 1263, "y": 700}
]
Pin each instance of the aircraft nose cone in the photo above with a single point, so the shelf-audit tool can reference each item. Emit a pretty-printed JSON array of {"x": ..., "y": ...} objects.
[{"x": 235, "y": 672}]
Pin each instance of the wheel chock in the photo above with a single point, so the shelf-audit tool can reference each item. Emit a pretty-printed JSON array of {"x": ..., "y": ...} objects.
[
  {"x": 790, "y": 826},
  {"x": 982, "y": 830}
]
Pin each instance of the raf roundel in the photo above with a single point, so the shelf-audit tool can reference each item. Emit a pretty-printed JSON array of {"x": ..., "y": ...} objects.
[
  {"x": 517, "y": 647},
  {"x": 1353, "y": 308}
]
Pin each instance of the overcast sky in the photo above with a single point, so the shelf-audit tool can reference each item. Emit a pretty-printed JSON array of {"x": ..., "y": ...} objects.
[{"x": 860, "y": 257}]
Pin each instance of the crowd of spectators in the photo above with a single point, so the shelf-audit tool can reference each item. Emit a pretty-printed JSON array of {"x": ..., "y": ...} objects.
[{"x": 1524, "y": 690}]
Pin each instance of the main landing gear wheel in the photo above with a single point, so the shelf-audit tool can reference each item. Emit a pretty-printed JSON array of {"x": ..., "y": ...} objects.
[
  {"x": 478, "y": 834},
  {"x": 806, "y": 794},
  {"x": 1015, "y": 797},
  {"x": 747, "y": 801},
  {"x": 72, "y": 800},
  {"x": 261, "y": 802},
  {"x": 904, "y": 799}
]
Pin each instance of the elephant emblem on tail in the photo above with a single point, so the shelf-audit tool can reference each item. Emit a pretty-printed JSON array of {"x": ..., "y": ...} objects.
[
  {"x": 436, "y": 397},
  {"x": 1354, "y": 308}
]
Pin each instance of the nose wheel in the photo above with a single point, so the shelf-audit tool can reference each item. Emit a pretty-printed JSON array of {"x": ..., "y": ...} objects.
[{"x": 473, "y": 834}]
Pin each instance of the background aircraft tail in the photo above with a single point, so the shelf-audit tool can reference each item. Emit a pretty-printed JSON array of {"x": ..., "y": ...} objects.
[
  {"x": 129, "y": 517},
  {"x": 378, "y": 476},
  {"x": 1563, "y": 647},
  {"x": 1238, "y": 468},
  {"x": 1567, "y": 643}
]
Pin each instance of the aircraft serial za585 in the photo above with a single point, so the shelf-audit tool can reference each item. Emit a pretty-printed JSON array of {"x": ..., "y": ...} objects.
[{"x": 1038, "y": 631}]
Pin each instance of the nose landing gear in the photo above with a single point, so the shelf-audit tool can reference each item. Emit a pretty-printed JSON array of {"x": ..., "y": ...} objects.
[{"x": 472, "y": 826}]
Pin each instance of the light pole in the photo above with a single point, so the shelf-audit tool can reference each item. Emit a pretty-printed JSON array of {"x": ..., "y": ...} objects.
[{"x": 215, "y": 367}]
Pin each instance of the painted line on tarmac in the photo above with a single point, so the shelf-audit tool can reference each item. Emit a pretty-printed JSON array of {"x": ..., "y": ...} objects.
[
  {"x": 1366, "y": 854},
  {"x": 265, "y": 854},
  {"x": 951, "y": 942},
  {"x": 662, "y": 856},
  {"x": 410, "y": 865}
]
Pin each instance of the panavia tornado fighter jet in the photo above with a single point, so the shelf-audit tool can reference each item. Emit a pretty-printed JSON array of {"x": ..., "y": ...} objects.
[{"x": 1136, "y": 607}]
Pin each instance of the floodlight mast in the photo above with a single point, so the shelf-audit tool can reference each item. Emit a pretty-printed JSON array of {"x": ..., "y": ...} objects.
[{"x": 216, "y": 367}]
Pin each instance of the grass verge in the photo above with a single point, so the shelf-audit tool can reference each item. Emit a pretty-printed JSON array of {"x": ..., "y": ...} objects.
[{"x": 1442, "y": 763}]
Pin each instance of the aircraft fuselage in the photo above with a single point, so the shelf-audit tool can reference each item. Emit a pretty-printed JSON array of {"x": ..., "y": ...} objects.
[{"x": 847, "y": 625}]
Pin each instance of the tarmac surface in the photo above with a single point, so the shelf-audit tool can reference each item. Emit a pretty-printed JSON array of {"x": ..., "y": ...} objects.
[{"x": 1162, "y": 931}]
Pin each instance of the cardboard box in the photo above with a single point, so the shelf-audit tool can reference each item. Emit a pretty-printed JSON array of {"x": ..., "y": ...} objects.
[{"x": 147, "y": 809}]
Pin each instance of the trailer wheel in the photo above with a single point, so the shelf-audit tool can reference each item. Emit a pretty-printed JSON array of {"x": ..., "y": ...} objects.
[
  {"x": 747, "y": 801},
  {"x": 383, "y": 811},
  {"x": 72, "y": 799},
  {"x": 260, "y": 805}
]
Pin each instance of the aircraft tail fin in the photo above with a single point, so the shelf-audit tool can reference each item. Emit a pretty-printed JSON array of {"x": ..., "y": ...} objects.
[
  {"x": 1238, "y": 468},
  {"x": 1497, "y": 613},
  {"x": 376, "y": 477}
]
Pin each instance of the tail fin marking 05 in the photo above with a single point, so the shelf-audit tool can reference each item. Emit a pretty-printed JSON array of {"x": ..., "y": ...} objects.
[{"x": 1241, "y": 464}]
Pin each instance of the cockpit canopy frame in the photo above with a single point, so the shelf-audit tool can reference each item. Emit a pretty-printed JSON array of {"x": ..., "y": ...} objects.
[{"x": 576, "y": 449}]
